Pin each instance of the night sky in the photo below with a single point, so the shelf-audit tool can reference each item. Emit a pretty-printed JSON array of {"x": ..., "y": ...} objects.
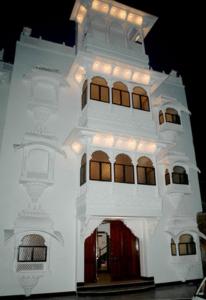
[{"x": 175, "y": 42}]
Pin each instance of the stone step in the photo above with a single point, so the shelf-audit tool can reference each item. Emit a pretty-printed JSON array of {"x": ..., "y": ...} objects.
[{"x": 115, "y": 288}]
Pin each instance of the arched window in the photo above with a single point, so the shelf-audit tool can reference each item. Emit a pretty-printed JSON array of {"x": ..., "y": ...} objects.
[
  {"x": 100, "y": 167},
  {"x": 83, "y": 169},
  {"x": 99, "y": 89},
  {"x": 161, "y": 117},
  {"x": 123, "y": 169},
  {"x": 32, "y": 249},
  {"x": 179, "y": 175},
  {"x": 140, "y": 99},
  {"x": 173, "y": 248},
  {"x": 84, "y": 94},
  {"x": 145, "y": 171},
  {"x": 171, "y": 116},
  {"x": 186, "y": 245},
  {"x": 120, "y": 94},
  {"x": 167, "y": 177}
]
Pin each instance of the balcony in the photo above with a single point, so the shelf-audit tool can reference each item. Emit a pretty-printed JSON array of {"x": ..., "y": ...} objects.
[
  {"x": 118, "y": 199},
  {"x": 107, "y": 116}
]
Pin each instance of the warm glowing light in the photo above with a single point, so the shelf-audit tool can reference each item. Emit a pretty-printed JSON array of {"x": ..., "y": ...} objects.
[
  {"x": 102, "y": 67},
  {"x": 103, "y": 140},
  {"x": 147, "y": 147},
  {"x": 96, "y": 66},
  {"x": 118, "y": 13},
  {"x": 106, "y": 68},
  {"x": 133, "y": 18},
  {"x": 131, "y": 144},
  {"x": 77, "y": 147},
  {"x": 81, "y": 14},
  {"x": 116, "y": 71},
  {"x": 141, "y": 77},
  {"x": 127, "y": 74},
  {"x": 136, "y": 76},
  {"x": 100, "y": 6},
  {"x": 145, "y": 78},
  {"x": 79, "y": 74}
]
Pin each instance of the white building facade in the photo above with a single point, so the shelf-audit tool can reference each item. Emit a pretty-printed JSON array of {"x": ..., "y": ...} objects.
[{"x": 96, "y": 152}]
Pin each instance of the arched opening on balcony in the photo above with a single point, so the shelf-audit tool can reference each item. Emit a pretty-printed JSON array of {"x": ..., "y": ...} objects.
[
  {"x": 99, "y": 89},
  {"x": 140, "y": 99},
  {"x": 161, "y": 117},
  {"x": 120, "y": 94},
  {"x": 145, "y": 171},
  {"x": 32, "y": 249},
  {"x": 186, "y": 245},
  {"x": 123, "y": 169},
  {"x": 100, "y": 167},
  {"x": 172, "y": 116},
  {"x": 167, "y": 177},
  {"x": 173, "y": 248},
  {"x": 84, "y": 94},
  {"x": 179, "y": 175},
  {"x": 83, "y": 169}
]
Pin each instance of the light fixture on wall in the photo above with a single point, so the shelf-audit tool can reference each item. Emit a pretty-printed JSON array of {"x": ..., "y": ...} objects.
[
  {"x": 135, "y": 19},
  {"x": 79, "y": 74},
  {"x": 77, "y": 147},
  {"x": 100, "y": 6},
  {"x": 81, "y": 14}
]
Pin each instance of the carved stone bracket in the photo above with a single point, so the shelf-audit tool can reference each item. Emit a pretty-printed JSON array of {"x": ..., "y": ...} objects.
[{"x": 28, "y": 282}]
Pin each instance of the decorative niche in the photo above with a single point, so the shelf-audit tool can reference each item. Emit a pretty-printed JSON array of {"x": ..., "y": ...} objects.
[
  {"x": 37, "y": 169},
  {"x": 44, "y": 87}
]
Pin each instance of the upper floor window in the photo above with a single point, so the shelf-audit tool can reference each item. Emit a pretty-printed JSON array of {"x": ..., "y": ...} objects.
[
  {"x": 32, "y": 249},
  {"x": 140, "y": 99},
  {"x": 84, "y": 94},
  {"x": 167, "y": 177},
  {"x": 123, "y": 169},
  {"x": 120, "y": 94},
  {"x": 186, "y": 245},
  {"x": 161, "y": 117},
  {"x": 99, "y": 89},
  {"x": 172, "y": 116},
  {"x": 83, "y": 169},
  {"x": 173, "y": 248},
  {"x": 145, "y": 171},
  {"x": 179, "y": 175},
  {"x": 100, "y": 166}
]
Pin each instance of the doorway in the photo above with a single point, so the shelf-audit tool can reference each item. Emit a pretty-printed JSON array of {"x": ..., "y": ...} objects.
[{"x": 111, "y": 253}]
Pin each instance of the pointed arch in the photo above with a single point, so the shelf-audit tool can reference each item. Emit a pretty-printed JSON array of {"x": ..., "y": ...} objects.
[
  {"x": 120, "y": 94},
  {"x": 140, "y": 99},
  {"x": 145, "y": 171},
  {"x": 172, "y": 116},
  {"x": 179, "y": 175},
  {"x": 99, "y": 89},
  {"x": 100, "y": 166},
  {"x": 123, "y": 169}
]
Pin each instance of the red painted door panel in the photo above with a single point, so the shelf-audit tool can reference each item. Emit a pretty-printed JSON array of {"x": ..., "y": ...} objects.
[{"x": 90, "y": 258}]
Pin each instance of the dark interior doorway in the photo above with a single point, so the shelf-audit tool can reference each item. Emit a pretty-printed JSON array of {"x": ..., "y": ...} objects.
[{"x": 111, "y": 253}]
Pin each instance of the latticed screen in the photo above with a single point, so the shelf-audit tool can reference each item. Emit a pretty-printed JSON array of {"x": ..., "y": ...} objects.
[{"x": 32, "y": 249}]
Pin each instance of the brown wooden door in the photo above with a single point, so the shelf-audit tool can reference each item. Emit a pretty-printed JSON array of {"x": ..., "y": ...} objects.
[
  {"x": 124, "y": 258},
  {"x": 90, "y": 258}
]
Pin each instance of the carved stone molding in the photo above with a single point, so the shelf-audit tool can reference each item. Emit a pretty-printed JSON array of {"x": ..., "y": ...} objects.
[
  {"x": 28, "y": 282},
  {"x": 44, "y": 84},
  {"x": 37, "y": 169}
]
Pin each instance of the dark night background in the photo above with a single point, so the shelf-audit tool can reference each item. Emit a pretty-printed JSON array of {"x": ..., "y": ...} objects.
[{"x": 175, "y": 42}]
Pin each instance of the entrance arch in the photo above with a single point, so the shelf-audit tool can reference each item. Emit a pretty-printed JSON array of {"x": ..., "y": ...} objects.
[{"x": 112, "y": 250}]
